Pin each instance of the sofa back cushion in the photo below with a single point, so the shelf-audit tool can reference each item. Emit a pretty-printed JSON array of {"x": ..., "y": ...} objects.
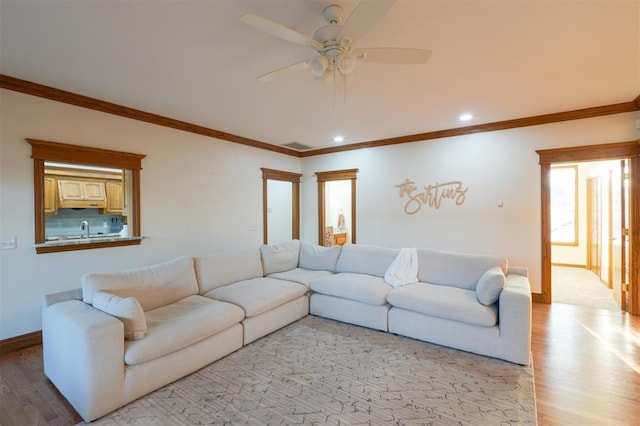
[
  {"x": 455, "y": 269},
  {"x": 153, "y": 286},
  {"x": 365, "y": 259},
  {"x": 318, "y": 258},
  {"x": 223, "y": 269},
  {"x": 280, "y": 257}
]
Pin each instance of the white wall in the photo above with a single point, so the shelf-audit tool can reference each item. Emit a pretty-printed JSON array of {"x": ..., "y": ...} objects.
[
  {"x": 199, "y": 196},
  {"x": 203, "y": 196},
  {"x": 497, "y": 166}
]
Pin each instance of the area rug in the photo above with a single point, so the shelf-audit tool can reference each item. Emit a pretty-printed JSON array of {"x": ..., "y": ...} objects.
[{"x": 318, "y": 371}]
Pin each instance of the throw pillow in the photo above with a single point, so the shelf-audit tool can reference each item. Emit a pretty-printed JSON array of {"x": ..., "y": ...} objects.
[
  {"x": 490, "y": 285},
  {"x": 127, "y": 310},
  {"x": 318, "y": 258},
  {"x": 280, "y": 257}
]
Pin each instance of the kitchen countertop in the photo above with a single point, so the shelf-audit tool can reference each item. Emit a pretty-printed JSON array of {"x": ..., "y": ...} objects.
[{"x": 64, "y": 241}]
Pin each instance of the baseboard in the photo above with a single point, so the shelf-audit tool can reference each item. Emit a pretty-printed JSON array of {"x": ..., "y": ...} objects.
[
  {"x": 538, "y": 298},
  {"x": 569, "y": 265},
  {"x": 20, "y": 342}
]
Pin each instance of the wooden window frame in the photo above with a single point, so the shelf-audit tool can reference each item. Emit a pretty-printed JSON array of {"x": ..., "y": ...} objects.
[
  {"x": 42, "y": 151},
  {"x": 575, "y": 240}
]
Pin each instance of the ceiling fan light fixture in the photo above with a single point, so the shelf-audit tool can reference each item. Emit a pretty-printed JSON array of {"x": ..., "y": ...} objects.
[
  {"x": 319, "y": 65},
  {"x": 345, "y": 63}
]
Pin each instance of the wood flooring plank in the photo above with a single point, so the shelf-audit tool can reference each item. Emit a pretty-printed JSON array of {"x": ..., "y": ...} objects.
[{"x": 585, "y": 363}]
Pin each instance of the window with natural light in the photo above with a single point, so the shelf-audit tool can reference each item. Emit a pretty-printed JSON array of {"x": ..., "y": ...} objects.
[{"x": 564, "y": 215}]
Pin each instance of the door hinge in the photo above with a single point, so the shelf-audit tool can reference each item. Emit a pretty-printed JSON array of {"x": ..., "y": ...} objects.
[
  {"x": 625, "y": 232},
  {"x": 625, "y": 287}
]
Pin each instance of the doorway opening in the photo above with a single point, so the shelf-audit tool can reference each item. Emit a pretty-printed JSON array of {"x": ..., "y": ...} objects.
[
  {"x": 337, "y": 199},
  {"x": 622, "y": 246},
  {"x": 589, "y": 219}
]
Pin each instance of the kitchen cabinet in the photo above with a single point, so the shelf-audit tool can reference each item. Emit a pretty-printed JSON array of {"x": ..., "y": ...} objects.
[
  {"x": 114, "y": 198},
  {"x": 50, "y": 196},
  {"x": 81, "y": 193}
]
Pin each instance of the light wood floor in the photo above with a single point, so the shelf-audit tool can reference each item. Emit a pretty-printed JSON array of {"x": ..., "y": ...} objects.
[{"x": 586, "y": 362}]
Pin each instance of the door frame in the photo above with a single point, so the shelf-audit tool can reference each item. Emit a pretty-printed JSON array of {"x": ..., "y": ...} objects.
[
  {"x": 611, "y": 151},
  {"x": 294, "y": 178},
  {"x": 591, "y": 181},
  {"x": 322, "y": 177}
]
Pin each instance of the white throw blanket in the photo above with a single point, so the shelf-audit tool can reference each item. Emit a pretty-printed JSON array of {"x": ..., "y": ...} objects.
[{"x": 404, "y": 269}]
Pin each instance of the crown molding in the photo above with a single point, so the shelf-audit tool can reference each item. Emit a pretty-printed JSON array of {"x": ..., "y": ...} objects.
[
  {"x": 488, "y": 127},
  {"x": 36, "y": 89},
  {"x": 51, "y": 93}
]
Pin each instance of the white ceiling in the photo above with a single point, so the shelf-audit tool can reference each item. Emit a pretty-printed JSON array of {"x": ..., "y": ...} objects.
[{"x": 195, "y": 61}]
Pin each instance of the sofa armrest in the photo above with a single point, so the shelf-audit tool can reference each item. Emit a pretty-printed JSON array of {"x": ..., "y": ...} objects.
[
  {"x": 515, "y": 319},
  {"x": 83, "y": 352},
  {"x": 50, "y": 299},
  {"x": 518, "y": 270}
]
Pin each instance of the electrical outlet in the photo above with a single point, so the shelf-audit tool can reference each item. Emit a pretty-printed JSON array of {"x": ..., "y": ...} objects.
[{"x": 8, "y": 243}]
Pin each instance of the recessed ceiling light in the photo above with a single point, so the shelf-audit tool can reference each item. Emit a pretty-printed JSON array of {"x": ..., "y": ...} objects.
[
  {"x": 466, "y": 116},
  {"x": 338, "y": 138}
]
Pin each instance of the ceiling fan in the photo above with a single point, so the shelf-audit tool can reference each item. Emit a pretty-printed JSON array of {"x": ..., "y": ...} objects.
[{"x": 334, "y": 42}]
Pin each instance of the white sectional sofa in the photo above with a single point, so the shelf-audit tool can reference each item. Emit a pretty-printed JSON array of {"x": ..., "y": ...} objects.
[
  {"x": 457, "y": 301},
  {"x": 125, "y": 334}
]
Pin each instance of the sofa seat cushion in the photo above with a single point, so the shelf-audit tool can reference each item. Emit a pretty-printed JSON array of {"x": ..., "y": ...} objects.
[
  {"x": 300, "y": 275},
  {"x": 359, "y": 287},
  {"x": 444, "y": 302},
  {"x": 179, "y": 325},
  {"x": 258, "y": 295}
]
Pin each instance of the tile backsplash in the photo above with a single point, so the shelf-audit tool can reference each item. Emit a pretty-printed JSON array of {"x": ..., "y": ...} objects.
[{"x": 67, "y": 223}]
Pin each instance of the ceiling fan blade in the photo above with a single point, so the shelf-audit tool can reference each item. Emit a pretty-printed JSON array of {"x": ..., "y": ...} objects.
[
  {"x": 366, "y": 14},
  {"x": 298, "y": 66},
  {"x": 274, "y": 28},
  {"x": 392, "y": 55}
]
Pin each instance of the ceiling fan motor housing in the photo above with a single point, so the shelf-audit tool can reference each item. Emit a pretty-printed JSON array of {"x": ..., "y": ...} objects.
[
  {"x": 333, "y": 14},
  {"x": 335, "y": 54},
  {"x": 328, "y": 36}
]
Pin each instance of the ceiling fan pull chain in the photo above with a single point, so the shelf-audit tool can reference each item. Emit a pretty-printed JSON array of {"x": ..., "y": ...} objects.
[
  {"x": 334, "y": 84},
  {"x": 344, "y": 88}
]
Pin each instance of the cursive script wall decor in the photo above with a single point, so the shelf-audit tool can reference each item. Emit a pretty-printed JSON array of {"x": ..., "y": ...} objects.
[{"x": 432, "y": 195}]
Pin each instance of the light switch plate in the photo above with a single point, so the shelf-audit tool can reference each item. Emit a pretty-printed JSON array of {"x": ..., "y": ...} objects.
[{"x": 8, "y": 243}]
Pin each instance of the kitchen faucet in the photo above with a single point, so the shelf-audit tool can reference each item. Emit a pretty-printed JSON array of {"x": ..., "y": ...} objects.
[{"x": 84, "y": 226}]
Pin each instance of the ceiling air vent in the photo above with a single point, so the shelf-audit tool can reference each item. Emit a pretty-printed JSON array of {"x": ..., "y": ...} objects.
[{"x": 297, "y": 146}]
